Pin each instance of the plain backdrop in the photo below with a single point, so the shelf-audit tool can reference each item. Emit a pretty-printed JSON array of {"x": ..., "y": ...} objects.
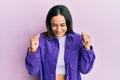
[{"x": 20, "y": 19}]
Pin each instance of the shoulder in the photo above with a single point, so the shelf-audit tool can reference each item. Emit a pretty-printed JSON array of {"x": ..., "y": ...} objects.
[
  {"x": 75, "y": 36},
  {"x": 44, "y": 36},
  {"x": 75, "y": 39},
  {"x": 42, "y": 39}
]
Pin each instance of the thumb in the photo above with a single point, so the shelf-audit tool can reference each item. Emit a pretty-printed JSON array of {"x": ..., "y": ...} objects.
[
  {"x": 83, "y": 34},
  {"x": 38, "y": 35}
]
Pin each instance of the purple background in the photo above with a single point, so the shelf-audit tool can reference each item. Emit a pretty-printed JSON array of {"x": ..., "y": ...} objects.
[{"x": 20, "y": 19}]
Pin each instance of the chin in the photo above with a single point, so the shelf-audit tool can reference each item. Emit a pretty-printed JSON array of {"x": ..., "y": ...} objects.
[{"x": 59, "y": 35}]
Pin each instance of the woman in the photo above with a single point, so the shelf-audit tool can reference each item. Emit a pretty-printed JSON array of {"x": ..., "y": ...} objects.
[{"x": 59, "y": 53}]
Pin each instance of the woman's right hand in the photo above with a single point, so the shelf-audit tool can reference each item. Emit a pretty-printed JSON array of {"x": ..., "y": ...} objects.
[{"x": 34, "y": 43}]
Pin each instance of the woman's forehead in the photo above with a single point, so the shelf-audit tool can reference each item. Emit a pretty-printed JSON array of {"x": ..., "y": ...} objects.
[{"x": 58, "y": 19}]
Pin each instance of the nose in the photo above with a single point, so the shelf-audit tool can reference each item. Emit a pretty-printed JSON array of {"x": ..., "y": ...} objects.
[{"x": 58, "y": 28}]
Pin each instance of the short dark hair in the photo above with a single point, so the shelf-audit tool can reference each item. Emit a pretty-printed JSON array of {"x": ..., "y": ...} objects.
[{"x": 54, "y": 11}]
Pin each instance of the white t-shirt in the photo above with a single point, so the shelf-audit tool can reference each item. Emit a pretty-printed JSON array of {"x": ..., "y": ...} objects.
[{"x": 60, "y": 68}]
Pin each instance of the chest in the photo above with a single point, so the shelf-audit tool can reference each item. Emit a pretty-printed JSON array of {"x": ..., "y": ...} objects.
[{"x": 50, "y": 50}]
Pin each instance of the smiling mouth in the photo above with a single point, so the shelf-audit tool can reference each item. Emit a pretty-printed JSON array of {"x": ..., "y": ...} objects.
[{"x": 58, "y": 33}]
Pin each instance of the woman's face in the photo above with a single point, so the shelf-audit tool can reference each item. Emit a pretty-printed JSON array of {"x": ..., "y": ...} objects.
[{"x": 58, "y": 25}]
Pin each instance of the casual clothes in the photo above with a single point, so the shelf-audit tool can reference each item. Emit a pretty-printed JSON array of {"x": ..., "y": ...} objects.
[{"x": 77, "y": 59}]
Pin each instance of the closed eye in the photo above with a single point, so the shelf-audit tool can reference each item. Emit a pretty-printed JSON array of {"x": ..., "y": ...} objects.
[
  {"x": 63, "y": 24},
  {"x": 53, "y": 25}
]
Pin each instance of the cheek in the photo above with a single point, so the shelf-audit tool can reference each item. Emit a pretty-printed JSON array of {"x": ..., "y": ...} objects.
[
  {"x": 53, "y": 29},
  {"x": 65, "y": 28}
]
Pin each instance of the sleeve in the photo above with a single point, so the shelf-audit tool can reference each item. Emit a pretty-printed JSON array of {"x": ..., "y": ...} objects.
[
  {"x": 86, "y": 59},
  {"x": 33, "y": 62}
]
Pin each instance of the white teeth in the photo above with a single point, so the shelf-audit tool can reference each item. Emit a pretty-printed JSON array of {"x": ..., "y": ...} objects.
[{"x": 59, "y": 33}]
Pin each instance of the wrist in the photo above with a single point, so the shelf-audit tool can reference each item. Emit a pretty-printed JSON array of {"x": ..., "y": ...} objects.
[
  {"x": 86, "y": 47},
  {"x": 32, "y": 50}
]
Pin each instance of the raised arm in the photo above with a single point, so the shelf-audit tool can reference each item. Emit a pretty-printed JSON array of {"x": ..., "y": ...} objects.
[
  {"x": 33, "y": 59},
  {"x": 87, "y": 56}
]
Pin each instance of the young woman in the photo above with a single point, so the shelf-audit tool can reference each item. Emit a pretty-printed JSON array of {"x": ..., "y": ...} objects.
[{"x": 59, "y": 53}]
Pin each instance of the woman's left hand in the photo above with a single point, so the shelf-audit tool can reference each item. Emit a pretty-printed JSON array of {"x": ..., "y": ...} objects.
[{"x": 86, "y": 40}]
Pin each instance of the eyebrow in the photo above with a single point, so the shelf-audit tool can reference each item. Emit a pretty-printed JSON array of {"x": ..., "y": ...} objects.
[
  {"x": 60, "y": 24},
  {"x": 63, "y": 23}
]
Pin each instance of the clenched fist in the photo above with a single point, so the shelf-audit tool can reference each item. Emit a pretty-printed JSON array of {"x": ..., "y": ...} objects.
[
  {"x": 34, "y": 43},
  {"x": 86, "y": 40}
]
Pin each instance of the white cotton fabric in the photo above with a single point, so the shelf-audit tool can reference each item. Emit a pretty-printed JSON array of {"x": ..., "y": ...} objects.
[{"x": 60, "y": 68}]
